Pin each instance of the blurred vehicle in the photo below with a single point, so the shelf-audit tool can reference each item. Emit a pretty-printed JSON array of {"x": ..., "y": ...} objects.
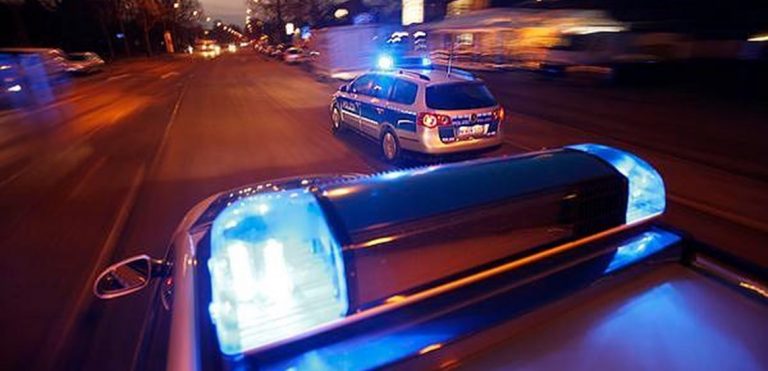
[
  {"x": 300, "y": 274},
  {"x": 293, "y": 55},
  {"x": 499, "y": 38},
  {"x": 425, "y": 111},
  {"x": 207, "y": 48},
  {"x": 84, "y": 63},
  {"x": 602, "y": 54},
  {"x": 232, "y": 48},
  {"x": 277, "y": 51},
  {"x": 31, "y": 75},
  {"x": 53, "y": 62},
  {"x": 345, "y": 51},
  {"x": 12, "y": 85}
]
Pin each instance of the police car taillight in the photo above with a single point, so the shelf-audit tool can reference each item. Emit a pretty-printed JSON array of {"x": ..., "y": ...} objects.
[
  {"x": 432, "y": 120},
  {"x": 498, "y": 114},
  {"x": 287, "y": 264}
]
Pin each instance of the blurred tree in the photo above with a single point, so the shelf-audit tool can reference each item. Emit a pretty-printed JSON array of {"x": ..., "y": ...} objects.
[
  {"x": 274, "y": 14},
  {"x": 106, "y": 15},
  {"x": 147, "y": 13},
  {"x": 14, "y": 8}
]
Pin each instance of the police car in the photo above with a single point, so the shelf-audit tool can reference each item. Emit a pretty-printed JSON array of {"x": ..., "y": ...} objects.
[
  {"x": 429, "y": 111},
  {"x": 380, "y": 271}
]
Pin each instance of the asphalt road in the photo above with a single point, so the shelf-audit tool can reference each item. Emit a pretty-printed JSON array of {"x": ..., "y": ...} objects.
[{"x": 110, "y": 167}]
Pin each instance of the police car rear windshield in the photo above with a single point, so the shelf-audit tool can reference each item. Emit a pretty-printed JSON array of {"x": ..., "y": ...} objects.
[{"x": 458, "y": 96}]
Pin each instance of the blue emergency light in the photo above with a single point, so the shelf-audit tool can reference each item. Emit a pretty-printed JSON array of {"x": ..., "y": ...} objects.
[
  {"x": 292, "y": 261},
  {"x": 385, "y": 62}
]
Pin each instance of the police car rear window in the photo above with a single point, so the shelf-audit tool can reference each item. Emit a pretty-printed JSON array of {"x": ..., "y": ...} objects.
[
  {"x": 404, "y": 92},
  {"x": 458, "y": 96}
]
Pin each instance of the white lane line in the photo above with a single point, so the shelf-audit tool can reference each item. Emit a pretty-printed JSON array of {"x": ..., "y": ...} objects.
[
  {"x": 77, "y": 189},
  {"x": 107, "y": 248},
  {"x": 167, "y": 132},
  {"x": 118, "y": 76},
  {"x": 113, "y": 237},
  {"x": 169, "y": 74}
]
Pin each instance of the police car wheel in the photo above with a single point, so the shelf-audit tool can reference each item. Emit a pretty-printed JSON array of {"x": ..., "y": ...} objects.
[
  {"x": 335, "y": 120},
  {"x": 390, "y": 147}
]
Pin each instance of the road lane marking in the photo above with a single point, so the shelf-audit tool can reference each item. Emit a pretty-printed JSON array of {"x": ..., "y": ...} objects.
[
  {"x": 118, "y": 76},
  {"x": 77, "y": 189},
  {"x": 86, "y": 294},
  {"x": 169, "y": 74},
  {"x": 167, "y": 132},
  {"x": 85, "y": 297}
]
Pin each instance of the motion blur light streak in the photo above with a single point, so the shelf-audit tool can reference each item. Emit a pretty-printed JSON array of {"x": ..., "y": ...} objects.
[
  {"x": 430, "y": 348},
  {"x": 378, "y": 241}
]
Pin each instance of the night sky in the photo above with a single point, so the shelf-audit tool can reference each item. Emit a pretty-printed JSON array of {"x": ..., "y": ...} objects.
[{"x": 229, "y": 11}]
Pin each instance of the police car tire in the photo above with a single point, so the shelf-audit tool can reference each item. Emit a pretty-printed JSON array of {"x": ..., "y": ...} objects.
[
  {"x": 336, "y": 126},
  {"x": 396, "y": 142}
]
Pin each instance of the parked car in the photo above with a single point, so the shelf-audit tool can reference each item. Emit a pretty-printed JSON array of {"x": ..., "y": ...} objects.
[
  {"x": 13, "y": 88},
  {"x": 50, "y": 62},
  {"x": 426, "y": 111},
  {"x": 31, "y": 75},
  {"x": 277, "y": 51},
  {"x": 293, "y": 55},
  {"x": 84, "y": 63}
]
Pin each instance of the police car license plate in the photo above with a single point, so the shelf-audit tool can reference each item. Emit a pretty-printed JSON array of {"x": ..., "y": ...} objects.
[{"x": 471, "y": 131}]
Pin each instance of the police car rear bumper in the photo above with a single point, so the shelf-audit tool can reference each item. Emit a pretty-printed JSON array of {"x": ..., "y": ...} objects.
[{"x": 429, "y": 142}]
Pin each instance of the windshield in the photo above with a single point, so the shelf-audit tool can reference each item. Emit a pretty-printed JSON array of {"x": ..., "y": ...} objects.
[{"x": 459, "y": 96}]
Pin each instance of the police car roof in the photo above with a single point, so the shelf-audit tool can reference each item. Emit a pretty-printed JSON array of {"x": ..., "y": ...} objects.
[{"x": 435, "y": 76}]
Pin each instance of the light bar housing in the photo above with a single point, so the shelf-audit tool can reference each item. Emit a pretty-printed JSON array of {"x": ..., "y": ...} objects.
[{"x": 288, "y": 262}]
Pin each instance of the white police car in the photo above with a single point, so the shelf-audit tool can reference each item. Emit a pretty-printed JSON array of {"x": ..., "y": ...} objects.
[
  {"x": 427, "y": 111},
  {"x": 366, "y": 272}
]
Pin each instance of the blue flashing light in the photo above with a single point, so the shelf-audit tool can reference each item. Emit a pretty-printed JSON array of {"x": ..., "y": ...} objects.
[
  {"x": 647, "y": 197},
  {"x": 276, "y": 271},
  {"x": 426, "y": 62},
  {"x": 385, "y": 62},
  {"x": 640, "y": 247}
]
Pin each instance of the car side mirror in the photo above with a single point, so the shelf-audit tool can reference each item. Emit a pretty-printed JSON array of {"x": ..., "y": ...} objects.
[
  {"x": 344, "y": 88},
  {"x": 125, "y": 277}
]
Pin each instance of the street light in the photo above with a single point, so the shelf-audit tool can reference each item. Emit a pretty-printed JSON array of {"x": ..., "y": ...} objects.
[
  {"x": 194, "y": 13},
  {"x": 207, "y": 19},
  {"x": 176, "y": 5},
  {"x": 289, "y": 28}
]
